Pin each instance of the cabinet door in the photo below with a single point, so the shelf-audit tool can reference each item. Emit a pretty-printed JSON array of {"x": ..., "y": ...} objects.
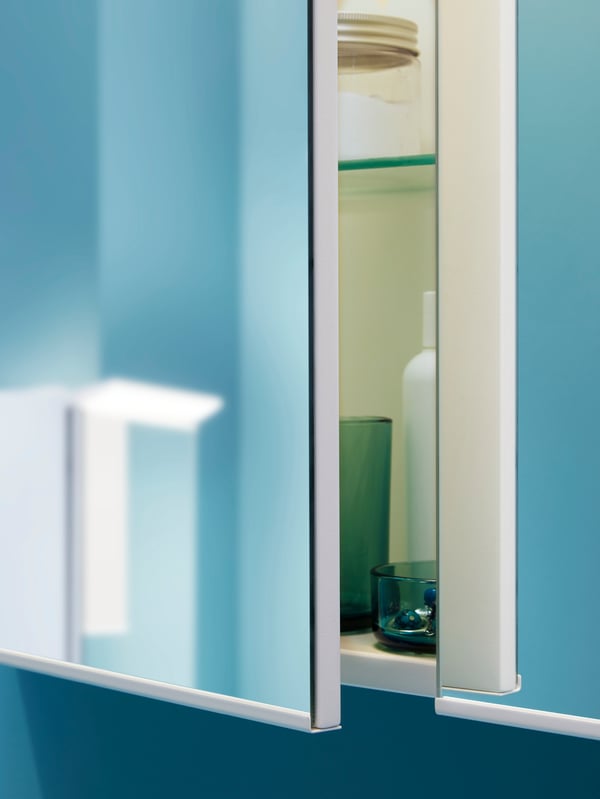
[
  {"x": 558, "y": 325},
  {"x": 477, "y": 354},
  {"x": 158, "y": 404}
]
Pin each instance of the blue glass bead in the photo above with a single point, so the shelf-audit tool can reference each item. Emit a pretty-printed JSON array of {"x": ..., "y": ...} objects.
[
  {"x": 407, "y": 620},
  {"x": 430, "y": 596}
]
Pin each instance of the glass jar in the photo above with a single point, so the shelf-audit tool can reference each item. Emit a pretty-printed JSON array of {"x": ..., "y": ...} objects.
[
  {"x": 365, "y": 462},
  {"x": 378, "y": 87}
]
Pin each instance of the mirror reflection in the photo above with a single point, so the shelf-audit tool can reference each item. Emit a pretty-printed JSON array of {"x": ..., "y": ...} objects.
[
  {"x": 388, "y": 325},
  {"x": 154, "y": 347},
  {"x": 102, "y": 482}
]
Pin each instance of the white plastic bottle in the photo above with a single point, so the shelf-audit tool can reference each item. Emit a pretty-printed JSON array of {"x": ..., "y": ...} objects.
[{"x": 419, "y": 432}]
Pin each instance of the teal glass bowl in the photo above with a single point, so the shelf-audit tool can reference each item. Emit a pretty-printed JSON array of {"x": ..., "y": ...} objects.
[{"x": 404, "y": 605}]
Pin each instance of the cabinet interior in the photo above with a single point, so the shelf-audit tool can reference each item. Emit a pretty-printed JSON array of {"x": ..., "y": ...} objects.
[{"x": 387, "y": 261}]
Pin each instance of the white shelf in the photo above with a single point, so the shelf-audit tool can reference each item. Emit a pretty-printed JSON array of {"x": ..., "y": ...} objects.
[{"x": 367, "y": 665}]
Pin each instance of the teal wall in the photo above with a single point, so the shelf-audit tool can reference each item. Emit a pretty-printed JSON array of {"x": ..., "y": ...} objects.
[
  {"x": 65, "y": 741},
  {"x": 559, "y": 349}
]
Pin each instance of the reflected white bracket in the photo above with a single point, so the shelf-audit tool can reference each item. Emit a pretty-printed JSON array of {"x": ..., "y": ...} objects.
[
  {"x": 132, "y": 402},
  {"x": 100, "y": 472},
  {"x": 64, "y": 510},
  {"x": 102, "y": 415}
]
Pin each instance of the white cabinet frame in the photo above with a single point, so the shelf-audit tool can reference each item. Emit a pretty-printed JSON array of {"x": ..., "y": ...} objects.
[{"x": 477, "y": 344}]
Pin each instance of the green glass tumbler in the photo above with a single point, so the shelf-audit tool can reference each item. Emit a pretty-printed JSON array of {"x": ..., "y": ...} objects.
[{"x": 365, "y": 460}]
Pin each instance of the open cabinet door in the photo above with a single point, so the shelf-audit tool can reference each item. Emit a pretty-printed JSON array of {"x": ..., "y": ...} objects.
[
  {"x": 477, "y": 352},
  {"x": 169, "y": 409}
]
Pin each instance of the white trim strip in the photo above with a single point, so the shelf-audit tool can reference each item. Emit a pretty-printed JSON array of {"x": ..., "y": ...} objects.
[
  {"x": 507, "y": 289},
  {"x": 326, "y": 654},
  {"x": 514, "y": 690},
  {"x": 203, "y": 700},
  {"x": 526, "y": 718}
]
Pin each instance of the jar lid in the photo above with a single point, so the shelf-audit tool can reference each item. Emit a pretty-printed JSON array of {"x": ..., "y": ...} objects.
[{"x": 375, "y": 40}]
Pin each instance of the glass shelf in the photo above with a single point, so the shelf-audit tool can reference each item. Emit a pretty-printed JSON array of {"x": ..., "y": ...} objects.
[
  {"x": 388, "y": 175},
  {"x": 358, "y": 165}
]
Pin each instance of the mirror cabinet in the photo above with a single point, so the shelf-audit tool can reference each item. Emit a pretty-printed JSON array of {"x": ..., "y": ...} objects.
[{"x": 257, "y": 258}]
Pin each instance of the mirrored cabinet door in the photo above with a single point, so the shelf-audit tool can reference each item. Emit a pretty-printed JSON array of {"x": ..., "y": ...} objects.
[
  {"x": 477, "y": 363},
  {"x": 156, "y": 500},
  {"x": 558, "y": 291}
]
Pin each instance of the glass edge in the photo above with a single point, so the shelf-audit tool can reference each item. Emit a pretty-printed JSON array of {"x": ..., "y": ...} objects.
[{"x": 428, "y": 159}]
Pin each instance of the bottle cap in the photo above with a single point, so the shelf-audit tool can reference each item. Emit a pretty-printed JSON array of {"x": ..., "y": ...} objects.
[{"x": 429, "y": 320}]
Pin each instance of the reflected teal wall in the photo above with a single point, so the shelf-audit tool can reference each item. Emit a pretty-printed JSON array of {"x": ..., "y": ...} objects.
[
  {"x": 274, "y": 524},
  {"x": 160, "y": 641},
  {"x": 48, "y": 192},
  {"x": 116, "y": 257},
  {"x": 168, "y": 218},
  {"x": 133, "y": 245}
]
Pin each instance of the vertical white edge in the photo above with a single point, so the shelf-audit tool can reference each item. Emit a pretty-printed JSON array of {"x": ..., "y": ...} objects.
[
  {"x": 75, "y": 526},
  {"x": 104, "y": 462},
  {"x": 326, "y": 685},
  {"x": 540, "y": 720},
  {"x": 192, "y": 697},
  {"x": 510, "y": 680},
  {"x": 33, "y": 541},
  {"x": 477, "y": 344}
]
